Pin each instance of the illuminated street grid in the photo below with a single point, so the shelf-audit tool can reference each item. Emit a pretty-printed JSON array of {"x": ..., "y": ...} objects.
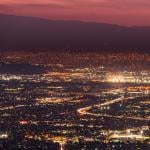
[{"x": 75, "y": 108}]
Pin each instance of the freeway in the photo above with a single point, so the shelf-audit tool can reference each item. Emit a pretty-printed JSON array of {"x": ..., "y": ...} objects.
[{"x": 85, "y": 110}]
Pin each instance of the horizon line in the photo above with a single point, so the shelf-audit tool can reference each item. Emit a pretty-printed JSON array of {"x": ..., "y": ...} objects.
[{"x": 74, "y": 20}]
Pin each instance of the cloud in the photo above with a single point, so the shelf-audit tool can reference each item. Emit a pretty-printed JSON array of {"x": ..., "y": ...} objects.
[
  {"x": 80, "y": 3},
  {"x": 112, "y": 11}
]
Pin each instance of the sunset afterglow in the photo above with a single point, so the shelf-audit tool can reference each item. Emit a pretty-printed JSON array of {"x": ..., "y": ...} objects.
[{"x": 128, "y": 12}]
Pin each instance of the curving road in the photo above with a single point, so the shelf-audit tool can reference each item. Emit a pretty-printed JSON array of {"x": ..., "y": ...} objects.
[{"x": 85, "y": 110}]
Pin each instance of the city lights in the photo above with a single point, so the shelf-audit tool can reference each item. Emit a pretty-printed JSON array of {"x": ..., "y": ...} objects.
[{"x": 74, "y": 106}]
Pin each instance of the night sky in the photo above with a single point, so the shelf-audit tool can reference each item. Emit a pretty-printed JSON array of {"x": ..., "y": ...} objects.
[{"x": 122, "y": 12}]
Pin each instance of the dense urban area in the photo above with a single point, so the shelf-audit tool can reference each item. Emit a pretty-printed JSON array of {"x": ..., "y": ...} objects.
[{"x": 73, "y": 101}]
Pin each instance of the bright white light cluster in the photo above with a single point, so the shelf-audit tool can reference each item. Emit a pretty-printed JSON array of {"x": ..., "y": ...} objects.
[{"x": 10, "y": 77}]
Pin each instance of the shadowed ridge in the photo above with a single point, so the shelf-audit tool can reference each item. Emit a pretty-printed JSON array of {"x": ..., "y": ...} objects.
[{"x": 29, "y": 33}]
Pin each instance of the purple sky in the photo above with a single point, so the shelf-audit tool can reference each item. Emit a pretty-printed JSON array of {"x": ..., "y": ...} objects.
[{"x": 123, "y": 12}]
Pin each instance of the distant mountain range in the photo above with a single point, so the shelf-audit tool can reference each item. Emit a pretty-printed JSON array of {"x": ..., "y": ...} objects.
[{"x": 29, "y": 33}]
